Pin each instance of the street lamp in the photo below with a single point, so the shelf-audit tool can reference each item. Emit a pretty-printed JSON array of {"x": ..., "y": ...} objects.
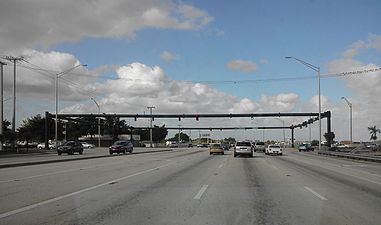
[
  {"x": 350, "y": 116},
  {"x": 99, "y": 124},
  {"x": 58, "y": 75},
  {"x": 317, "y": 69}
]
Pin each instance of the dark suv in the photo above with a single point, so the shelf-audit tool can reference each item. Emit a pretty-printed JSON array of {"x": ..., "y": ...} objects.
[
  {"x": 70, "y": 147},
  {"x": 121, "y": 147}
]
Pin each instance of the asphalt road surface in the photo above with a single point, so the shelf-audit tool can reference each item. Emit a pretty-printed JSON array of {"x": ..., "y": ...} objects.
[
  {"x": 189, "y": 186},
  {"x": 52, "y": 155}
]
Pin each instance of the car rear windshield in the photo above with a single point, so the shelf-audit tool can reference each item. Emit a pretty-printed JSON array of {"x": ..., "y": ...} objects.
[
  {"x": 243, "y": 144},
  {"x": 69, "y": 143},
  {"x": 216, "y": 145},
  {"x": 274, "y": 146},
  {"x": 260, "y": 143}
]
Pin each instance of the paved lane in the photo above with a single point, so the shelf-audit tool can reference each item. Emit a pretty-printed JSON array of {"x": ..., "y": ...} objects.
[
  {"x": 188, "y": 186},
  {"x": 52, "y": 155}
]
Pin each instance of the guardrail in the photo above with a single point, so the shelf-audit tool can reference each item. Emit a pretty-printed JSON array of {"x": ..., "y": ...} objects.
[{"x": 352, "y": 156}]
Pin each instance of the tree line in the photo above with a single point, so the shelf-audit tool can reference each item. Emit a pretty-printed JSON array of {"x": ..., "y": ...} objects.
[{"x": 32, "y": 129}]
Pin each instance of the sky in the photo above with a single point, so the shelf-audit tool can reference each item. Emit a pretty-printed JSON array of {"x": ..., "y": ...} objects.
[{"x": 197, "y": 57}]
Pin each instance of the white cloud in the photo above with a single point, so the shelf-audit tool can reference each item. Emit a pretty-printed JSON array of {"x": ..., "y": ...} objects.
[
  {"x": 168, "y": 56},
  {"x": 353, "y": 49},
  {"x": 365, "y": 89},
  {"x": 283, "y": 102},
  {"x": 241, "y": 65},
  {"x": 375, "y": 42},
  {"x": 138, "y": 85},
  {"x": 35, "y": 77},
  {"x": 135, "y": 86},
  {"x": 29, "y": 24}
]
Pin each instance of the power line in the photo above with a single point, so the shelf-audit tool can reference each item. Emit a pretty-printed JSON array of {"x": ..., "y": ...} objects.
[
  {"x": 276, "y": 79},
  {"x": 49, "y": 74}
]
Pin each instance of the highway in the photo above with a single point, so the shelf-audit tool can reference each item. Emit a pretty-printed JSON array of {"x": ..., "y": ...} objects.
[{"x": 189, "y": 186}]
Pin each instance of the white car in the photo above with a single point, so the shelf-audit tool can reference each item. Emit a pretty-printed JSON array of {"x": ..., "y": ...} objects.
[
  {"x": 172, "y": 144},
  {"x": 273, "y": 150},
  {"x": 87, "y": 145}
]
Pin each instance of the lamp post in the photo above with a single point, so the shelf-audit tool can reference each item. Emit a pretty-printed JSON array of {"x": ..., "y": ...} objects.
[
  {"x": 99, "y": 124},
  {"x": 316, "y": 69},
  {"x": 350, "y": 117},
  {"x": 150, "y": 125},
  {"x": 1, "y": 103},
  {"x": 58, "y": 75}
]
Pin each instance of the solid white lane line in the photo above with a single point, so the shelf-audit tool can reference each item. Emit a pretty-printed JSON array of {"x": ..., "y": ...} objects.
[
  {"x": 23, "y": 209},
  {"x": 201, "y": 192},
  {"x": 315, "y": 193}
]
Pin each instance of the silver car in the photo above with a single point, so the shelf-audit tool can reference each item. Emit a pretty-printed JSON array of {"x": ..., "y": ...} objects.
[
  {"x": 259, "y": 147},
  {"x": 243, "y": 148}
]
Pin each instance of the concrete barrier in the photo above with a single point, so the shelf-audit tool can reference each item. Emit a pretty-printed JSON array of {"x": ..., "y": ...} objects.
[{"x": 351, "y": 156}]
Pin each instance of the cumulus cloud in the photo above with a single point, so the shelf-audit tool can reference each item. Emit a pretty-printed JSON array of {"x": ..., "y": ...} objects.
[
  {"x": 283, "y": 102},
  {"x": 168, "y": 56},
  {"x": 242, "y": 65},
  {"x": 138, "y": 85},
  {"x": 36, "y": 76},
  {"x": 135, "y": 86},
  {"x": 365, "y": 90},
  {"x": 29, "y": 24}
]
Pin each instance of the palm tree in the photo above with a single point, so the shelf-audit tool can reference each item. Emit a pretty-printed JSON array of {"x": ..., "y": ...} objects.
[{"x": 373, "y": 132}]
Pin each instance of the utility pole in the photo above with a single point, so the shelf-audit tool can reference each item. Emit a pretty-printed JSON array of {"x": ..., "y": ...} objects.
[
  {"x": 1, "y": 105},
  {"x": 150, "y": 129},
  {"x": 13, "y": 137}
]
